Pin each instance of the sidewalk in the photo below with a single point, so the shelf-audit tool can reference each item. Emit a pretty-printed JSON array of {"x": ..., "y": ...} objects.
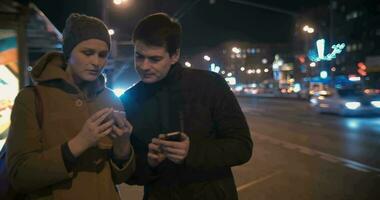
[{"x": 271, "y": 95}]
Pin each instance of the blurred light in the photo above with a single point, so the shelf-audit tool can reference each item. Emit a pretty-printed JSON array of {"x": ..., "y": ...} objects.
[
  {"x": 258, "y": 71},
  {"x": 333, "y": 69},
  {"x": 323, "y": 74},
  {"x": 223, "y": 72},
  {"x": 266, "y": 70},
  {"x": 323, "y": 92},
  {"x": 321, "y": 48},
  {"x": 207, "y": 58},
  {"x": 264, "y": 61},
  {"x": 242, "y": 69},
  {"x": 297, "y": 88},
  {"x": 352, "y": 105},
  {"x": 321, "y": 97},
  {"x": 231, "y": 80},
  {"x": 254, "y": 85},
  {"x": 308, "y": 29},
  {"x": 313, "y": 101},
  {"x": 239, "y": 88},
  {"x": 362, "y": 66},
  {"x": 376, "y": 104},
  {"x": 249, "y": 71},
  {"x": 117, "y": 2},
  {"x": 313, "y": 64},
  {"x": 372, "y": 91},
  {"x": 362, "y": 69},
  {"x": 111, "y": 31},
  {"x": 337, "y": 49},
  {"x": 353, "y": 124},
  {"x": 118, "y": 91},
  {"x": 354, "y": 78},
  {"x": 187, "y": 64},
  {"x": 217, "y": 69},
  {"x": 30, "y": 68},
  {"x": 236, "y": 50},
  {"x": 229, "y": 74}
]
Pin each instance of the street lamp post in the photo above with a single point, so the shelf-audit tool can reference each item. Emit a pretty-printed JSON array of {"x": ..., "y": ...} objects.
[{"x": 308, "y": 32}]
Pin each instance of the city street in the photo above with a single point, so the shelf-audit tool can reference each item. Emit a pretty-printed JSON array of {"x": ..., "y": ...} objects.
[{"x": 299, "y": 154}]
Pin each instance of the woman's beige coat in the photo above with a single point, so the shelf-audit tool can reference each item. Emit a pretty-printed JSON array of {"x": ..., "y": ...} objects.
[{"x": 35, "y": 160}]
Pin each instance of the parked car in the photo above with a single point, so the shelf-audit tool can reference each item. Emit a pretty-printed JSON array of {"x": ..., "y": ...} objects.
[{"x": 345, "y": 102}]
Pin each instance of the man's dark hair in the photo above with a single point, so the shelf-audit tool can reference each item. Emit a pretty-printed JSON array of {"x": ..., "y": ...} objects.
[{"x": 159, "y": 29}]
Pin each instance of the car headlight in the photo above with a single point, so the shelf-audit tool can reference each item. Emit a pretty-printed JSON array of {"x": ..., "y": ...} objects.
[
  {"x": 376, "y": 104},
  {"x": 352, "y": 105}
]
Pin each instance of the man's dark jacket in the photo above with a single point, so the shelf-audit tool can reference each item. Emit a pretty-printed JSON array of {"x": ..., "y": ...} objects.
[{"x": 211, "y": 117}]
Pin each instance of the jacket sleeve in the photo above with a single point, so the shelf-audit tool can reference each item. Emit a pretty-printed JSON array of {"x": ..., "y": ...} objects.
[
  {"x": 232, "y": 144},
  {"x": 122, "y": 173},
  {"x": 29, "y": 165}
]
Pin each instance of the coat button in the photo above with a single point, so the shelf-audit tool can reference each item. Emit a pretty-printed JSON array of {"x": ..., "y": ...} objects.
[{"x": 78, "y": 103}]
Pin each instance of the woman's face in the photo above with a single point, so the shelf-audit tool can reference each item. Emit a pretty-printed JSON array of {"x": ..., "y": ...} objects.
[{"x": 87, "y": 60}]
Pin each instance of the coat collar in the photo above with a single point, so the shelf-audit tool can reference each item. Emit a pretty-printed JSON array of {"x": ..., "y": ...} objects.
[{"x": 50, "y": 69}]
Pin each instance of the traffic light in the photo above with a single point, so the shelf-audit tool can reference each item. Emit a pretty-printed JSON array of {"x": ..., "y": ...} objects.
[{"x": 362, "y": 69}]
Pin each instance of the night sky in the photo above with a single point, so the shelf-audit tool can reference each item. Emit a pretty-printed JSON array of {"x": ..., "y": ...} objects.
[{"x": 204, "y": 24}]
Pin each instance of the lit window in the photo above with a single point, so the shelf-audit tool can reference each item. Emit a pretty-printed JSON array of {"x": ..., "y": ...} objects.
[
  {"x": 354, "y": 14},
  {"x": 354, "y": 47},
  {"x": 348, "y": 49}
]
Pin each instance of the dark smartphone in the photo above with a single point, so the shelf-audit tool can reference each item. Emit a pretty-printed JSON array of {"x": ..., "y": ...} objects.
[{"x": 173, "y": 136}]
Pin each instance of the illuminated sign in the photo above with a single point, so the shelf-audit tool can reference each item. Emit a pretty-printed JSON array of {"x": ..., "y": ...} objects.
[{"x": 336, "y": 49}]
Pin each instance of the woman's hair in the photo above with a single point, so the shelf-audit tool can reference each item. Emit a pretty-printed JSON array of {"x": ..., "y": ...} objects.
[{"x": 159, "y": 30}]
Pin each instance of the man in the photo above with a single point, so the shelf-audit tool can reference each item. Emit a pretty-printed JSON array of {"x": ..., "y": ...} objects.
[{"x": 198, "y": 104}]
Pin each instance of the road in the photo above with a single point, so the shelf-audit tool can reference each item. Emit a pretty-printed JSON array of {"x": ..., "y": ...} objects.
[{"x": 300, "y": 154}]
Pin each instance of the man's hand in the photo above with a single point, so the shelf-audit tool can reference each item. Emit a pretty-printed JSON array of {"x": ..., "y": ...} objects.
[
  {"x": 175, "y": 151},
  {"x": 155, "y": 155}
]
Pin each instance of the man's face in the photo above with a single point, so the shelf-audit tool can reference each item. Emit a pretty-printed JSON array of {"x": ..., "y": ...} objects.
[{"x": 153, "y": 62}]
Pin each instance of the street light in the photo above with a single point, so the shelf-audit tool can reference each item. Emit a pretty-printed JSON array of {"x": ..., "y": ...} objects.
[
  {"x": 111, "y": 32},
  {"x": 207, "y": 58},
  {"x": 236, "y": 50},
  {"x": 119, "y": 2},
  {"x": 308, "y": 29}
]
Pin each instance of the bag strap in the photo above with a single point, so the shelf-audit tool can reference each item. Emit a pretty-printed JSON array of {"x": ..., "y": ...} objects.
[{"x": 38, "y": 105}]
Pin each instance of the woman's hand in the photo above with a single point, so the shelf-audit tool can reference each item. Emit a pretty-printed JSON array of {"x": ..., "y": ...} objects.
[
  {"x": 121, "y": 132},
  {"x": 93, "y": 129}
]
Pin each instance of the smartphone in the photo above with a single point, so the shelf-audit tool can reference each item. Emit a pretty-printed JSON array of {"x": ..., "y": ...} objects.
[{"x": 173, "y": 136}]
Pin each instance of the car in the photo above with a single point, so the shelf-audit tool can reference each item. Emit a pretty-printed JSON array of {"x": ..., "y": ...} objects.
[{"x": 345, "y": 102}]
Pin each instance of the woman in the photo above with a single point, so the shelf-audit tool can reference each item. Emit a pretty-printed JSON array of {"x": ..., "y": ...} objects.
[{"x": 82, "y": 149}]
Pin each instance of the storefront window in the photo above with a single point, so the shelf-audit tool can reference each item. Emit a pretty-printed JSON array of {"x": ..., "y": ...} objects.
[{"x": 9, "y": 75}]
